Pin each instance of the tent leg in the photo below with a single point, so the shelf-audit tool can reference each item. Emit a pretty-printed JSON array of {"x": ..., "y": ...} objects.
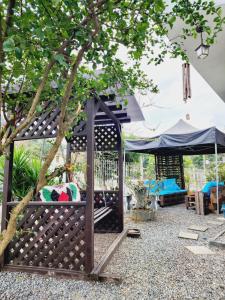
[
  {"x": 124, "y": 178},
  {"x": 217, "y": 179}
]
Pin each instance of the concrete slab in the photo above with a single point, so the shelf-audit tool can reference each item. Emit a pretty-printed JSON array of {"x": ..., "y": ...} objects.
[
  {"x": 188, "y": 235},
  {"x": 198, "y": 227},
  {"x": 199, "y": 250},
  {"x": 218, "y": 223}
]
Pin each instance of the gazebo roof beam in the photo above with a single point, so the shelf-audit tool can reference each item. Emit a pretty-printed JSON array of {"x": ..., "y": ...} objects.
[
  {"x": 108, "y": 112},
  {"x": 118, "y": 115},
  {"x": 107, "y": 121}
]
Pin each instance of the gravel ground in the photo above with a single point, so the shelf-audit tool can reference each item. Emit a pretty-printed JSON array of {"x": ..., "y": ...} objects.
[
  {"x": 102, "y": 242},
  {"x": 157, "y": 266},
  {"x": 221, "y": 238}
]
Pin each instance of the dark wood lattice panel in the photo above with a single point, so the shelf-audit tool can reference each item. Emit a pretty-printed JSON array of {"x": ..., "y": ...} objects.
[
  {"x": 103, "y": 198},
  {"x": 50, "y": 236},
  {"x": 106, "y": 198},
  {"x": 43, "y": 126},
  {"x": 106, "y": 139},
  {"x": 170, "y": 166}
]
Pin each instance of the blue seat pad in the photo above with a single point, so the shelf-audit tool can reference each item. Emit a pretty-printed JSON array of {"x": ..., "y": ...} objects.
[
  {"x": 207, "y": 187},
  {"x": 165, "y": 187}
]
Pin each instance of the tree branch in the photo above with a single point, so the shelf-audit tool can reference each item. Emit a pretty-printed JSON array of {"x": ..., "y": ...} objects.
[
  {"x": 9, "y": 15},
  {"x": 32, "y": 110}
]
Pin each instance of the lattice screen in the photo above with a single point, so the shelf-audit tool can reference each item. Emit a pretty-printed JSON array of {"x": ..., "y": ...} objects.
[
  {"x": 50, "y": 237},
  {"x": 106, "y": 139},
  {"x": 170, "y": 166},
  {"x": 43, "y": 126}
]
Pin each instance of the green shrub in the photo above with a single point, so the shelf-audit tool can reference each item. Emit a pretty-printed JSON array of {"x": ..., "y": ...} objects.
[
  {"x": 211, "y": 176},
  {"x": 26, "y": 170}
]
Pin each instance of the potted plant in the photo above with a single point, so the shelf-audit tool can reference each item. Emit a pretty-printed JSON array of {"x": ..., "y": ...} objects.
[
  {"x": 142, "y": 211},
  {"x": 154, "y": 188}
]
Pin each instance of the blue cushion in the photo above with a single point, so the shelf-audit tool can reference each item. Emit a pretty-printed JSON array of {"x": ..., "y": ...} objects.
[
  {"x": 207, "y": 187},
  {"x": 166, "y": 187},
  {"x": 149, "y": 182},
  {"x": 170, "y": 184}
]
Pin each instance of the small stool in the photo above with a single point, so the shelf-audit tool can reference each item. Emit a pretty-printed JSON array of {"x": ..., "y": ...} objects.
[{"x": 190, "y": 201}]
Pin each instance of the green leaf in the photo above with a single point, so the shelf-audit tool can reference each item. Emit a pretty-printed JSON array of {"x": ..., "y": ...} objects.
[
  {"x": 18, "y": 52},
  {"x": 159, "y": 6},
  {"x": 56, "y": 2},
  {"x": 38, "y": 108},
  {"x": 9, "y": 45},
  {"x": 171, "y": 21},
  {"x": 60, "y": 59}
]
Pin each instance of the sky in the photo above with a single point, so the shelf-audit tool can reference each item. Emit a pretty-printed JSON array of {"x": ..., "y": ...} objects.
[{"x": 163, "y": 110}]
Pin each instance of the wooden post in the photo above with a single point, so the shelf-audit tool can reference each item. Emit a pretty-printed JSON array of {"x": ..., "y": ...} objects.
[
  {"x": 182, "y": 171},
  {"x": 89, "y": 216},
  {"x": 120, "y": 167},
  {"x": 156, "y": 168},
  {"x": 7, "y": 189},
  {"x": 217, "y": 180}
]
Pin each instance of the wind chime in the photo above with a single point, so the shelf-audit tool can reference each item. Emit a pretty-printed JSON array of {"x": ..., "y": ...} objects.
[{"x": 186, "y": 85}]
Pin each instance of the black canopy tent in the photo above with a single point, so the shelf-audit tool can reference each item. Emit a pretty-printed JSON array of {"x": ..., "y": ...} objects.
[{"x": 181, "y": 139}]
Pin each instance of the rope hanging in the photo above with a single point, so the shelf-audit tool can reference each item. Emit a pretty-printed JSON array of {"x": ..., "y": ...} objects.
[{"x": 186, "y": 81}]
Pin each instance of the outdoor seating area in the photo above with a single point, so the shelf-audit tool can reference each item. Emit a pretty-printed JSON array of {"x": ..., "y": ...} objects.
[{"x": 169, "y": 149}]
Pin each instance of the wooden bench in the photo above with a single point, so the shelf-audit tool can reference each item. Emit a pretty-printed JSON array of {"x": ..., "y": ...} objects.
[
  {"x": 100, "y": 213},
  {"x": 172, "y": 199}
]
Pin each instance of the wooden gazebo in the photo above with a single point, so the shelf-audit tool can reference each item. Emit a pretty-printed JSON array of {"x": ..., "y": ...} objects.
[{"x": 58, "y": 237}]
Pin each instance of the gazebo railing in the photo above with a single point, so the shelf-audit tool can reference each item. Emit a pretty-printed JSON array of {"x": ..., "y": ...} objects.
[{"x": 49, "y": 235}]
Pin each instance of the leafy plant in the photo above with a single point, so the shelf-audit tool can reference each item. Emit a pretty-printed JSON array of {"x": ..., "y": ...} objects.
[
  {"x": 187, "y": 179},
  {"x": 211, "y": 176},
  {"x": 26, "y": 170},
  {"x": 140, "y": 193}
]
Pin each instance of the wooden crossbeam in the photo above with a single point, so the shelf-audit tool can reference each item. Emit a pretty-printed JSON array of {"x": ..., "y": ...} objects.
[
  {"x": 108, "y": 121},
  {"x": 118, "y": 115},
  {"x": 108, "y": 112},
  {"x": 95, "y": 274}
]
